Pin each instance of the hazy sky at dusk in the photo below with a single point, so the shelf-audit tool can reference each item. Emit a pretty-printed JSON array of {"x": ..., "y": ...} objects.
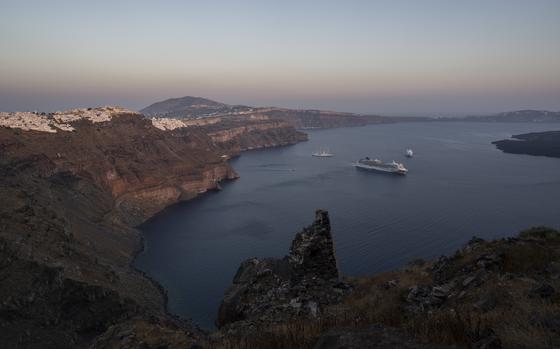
[{"x": 393, "y": 56}]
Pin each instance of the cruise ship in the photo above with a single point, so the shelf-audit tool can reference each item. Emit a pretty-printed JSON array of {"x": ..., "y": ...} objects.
[{"x": 378, "y": 165}]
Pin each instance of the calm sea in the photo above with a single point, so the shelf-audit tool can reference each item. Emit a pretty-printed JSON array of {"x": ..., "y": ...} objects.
[{"x": 458, "y": 186}]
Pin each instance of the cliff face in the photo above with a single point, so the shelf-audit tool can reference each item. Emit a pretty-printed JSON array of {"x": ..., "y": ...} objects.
[
  {"x": 73, "y": 186},
  {"x": 325, "y": 119},
  {"x": 238, "y": 136},
  {"x": 143, "y": 168}
]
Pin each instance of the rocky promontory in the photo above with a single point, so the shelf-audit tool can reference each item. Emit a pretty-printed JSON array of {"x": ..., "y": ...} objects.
[
  {"x": 300, "y": 284},
  {"x": 536, "y": 143}
]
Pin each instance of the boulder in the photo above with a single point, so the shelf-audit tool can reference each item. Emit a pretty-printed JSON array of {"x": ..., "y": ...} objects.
[
  {"x": 487, "y": 340},
  {"x": 486, "y": 303},
  {"x": 544, "y": 290}
]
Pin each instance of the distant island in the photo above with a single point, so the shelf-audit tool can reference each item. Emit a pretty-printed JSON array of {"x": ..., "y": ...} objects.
[
  {"x": 518, "y": 116},
  {"x": 537, "y": 143}
]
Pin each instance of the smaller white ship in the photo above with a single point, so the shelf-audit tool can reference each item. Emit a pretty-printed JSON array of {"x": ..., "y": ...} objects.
[
  {"x": 323, "y": 153},
  {"x": 409, "y": 153}
]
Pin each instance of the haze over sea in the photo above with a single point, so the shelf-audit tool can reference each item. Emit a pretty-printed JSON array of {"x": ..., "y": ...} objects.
[{"x": 458, "y": 186}]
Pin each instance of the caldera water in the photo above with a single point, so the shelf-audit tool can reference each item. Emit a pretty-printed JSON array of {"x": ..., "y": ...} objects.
[{"x": 458, "y": 185}]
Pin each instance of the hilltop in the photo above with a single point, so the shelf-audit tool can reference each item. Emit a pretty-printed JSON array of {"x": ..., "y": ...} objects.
[{"x": 190, "y": 107}]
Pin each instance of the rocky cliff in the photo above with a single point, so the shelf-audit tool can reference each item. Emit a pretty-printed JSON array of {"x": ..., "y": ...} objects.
[
  {"x": 73, "y": 186},
  {"x": 143, "y": 168},
  {"x": 302, "y": 118},
  {"x": 273, "y": 290},
  {"x": 240, "y": 135}
]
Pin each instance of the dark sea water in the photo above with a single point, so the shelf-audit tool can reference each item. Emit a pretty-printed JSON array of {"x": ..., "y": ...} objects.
[{"x": 458, "y": 186}]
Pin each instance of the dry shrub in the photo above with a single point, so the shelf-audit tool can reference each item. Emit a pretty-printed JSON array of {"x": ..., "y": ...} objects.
[
  {"x": 296, "y": 334},
  {"x": 527, "y": 258},
  {"x": 445, "y": 327}
]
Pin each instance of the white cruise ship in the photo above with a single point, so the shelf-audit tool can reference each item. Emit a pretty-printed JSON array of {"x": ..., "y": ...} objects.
[{"x": 378, "y": 165}]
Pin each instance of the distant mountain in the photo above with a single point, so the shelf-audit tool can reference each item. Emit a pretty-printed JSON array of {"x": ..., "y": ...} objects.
[
  {"x": 518, "y": 116},
  {"x": 190, "y": 107},
  {"x": 196, "y": 107}
]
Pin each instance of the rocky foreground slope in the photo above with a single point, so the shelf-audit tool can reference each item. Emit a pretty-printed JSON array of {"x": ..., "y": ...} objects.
[
  {"x": 73, "y": 185},
  {"x": 489, "y": 294}
]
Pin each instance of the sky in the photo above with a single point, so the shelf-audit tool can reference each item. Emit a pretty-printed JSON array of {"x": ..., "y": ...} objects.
[{"x": 393, "y": 57}]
